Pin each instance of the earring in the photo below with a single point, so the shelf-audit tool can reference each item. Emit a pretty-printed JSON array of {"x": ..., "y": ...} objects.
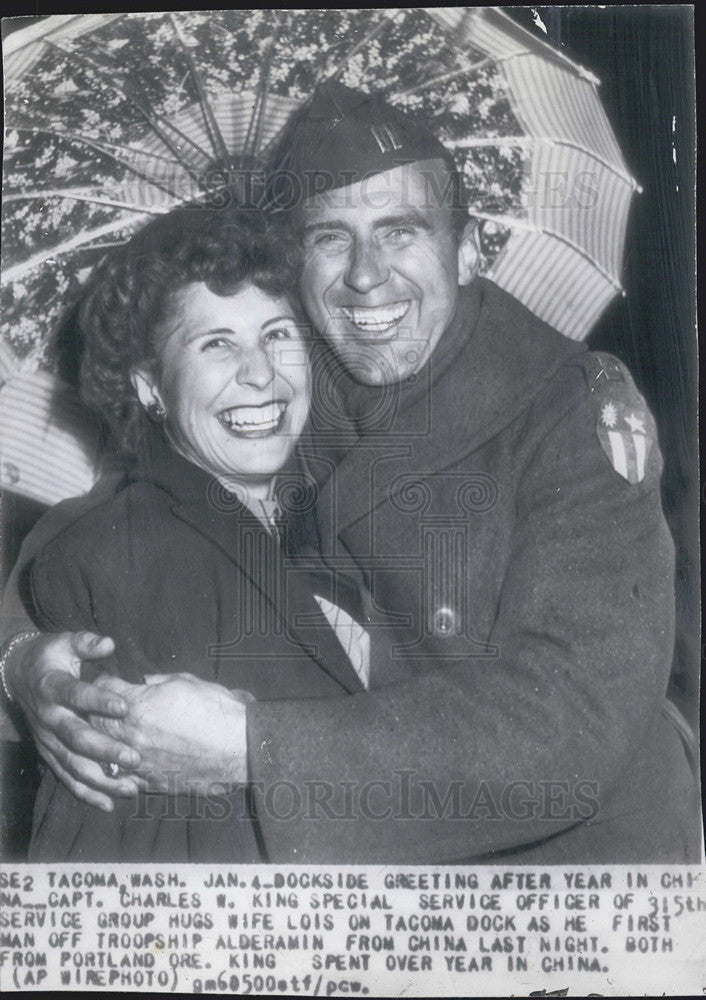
[{"x": 156, "y": 412}]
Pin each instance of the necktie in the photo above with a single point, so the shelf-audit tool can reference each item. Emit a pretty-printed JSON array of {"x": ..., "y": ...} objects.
[{"x": 337, "y": 595}]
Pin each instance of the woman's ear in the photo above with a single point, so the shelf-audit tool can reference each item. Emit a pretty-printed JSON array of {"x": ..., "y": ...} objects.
[
  {"x": 145, "y": 386},
  {"x": 468, "y": 253}
]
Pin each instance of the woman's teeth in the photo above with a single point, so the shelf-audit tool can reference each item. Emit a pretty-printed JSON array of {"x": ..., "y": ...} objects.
[
  {"x": 379, "y": 319},
  {"x": 253, "y": 419}
]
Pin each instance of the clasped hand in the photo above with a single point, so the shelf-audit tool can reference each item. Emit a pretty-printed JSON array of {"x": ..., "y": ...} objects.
[
  {"x": 190, "y": 734},
  {"x": 174, "y": 733}
]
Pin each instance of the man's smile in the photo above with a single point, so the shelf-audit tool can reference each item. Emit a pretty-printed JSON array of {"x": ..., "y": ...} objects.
[
  {"x": 253, "y": 421},
  {"x": 376, "y": 319}
]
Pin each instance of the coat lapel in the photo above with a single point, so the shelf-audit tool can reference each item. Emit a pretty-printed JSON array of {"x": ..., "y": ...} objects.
[
  {"x": 462, "y": 399},
  {"x": 259, "y": 558},
  {"x": 235, "y": 530}
]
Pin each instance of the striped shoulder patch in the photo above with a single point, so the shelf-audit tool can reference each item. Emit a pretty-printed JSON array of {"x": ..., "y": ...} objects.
[
  {"x": 625, "y": 434},
  {"x": 625, "y": 427}
]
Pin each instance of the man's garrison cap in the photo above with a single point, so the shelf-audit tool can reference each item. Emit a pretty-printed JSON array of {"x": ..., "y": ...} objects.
[{"x": 342, "y": 136}]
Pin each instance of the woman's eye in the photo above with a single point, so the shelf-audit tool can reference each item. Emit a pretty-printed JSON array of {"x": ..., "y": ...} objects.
[
  {"x": 215, "y": 343},
  {"x": 278, "y": 333}
]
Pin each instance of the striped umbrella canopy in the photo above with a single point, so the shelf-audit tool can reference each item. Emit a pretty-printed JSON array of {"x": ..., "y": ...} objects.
[
  {"x": 112, "y": 118},
  {"x": 49, "y": 450}
]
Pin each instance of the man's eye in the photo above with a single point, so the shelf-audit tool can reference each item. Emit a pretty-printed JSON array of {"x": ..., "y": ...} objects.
[
  {"x": 400, "y": 234},
  {"x": 329, "y": 239}
]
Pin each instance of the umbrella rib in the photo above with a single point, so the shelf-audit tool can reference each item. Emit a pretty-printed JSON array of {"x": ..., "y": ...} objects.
[
  {"x": 104, "y": 145},
  {"x": 20, "y": 269},
  {"x": 107, "y": 246},
  {"x": 255, "y": 124},
  {"x": 214, "y": 133},
  {"x": 152, "y": 117},
  {"x": 476, "y": 142},
  {"x": 139, "y": 150},
  {"x": 388, "y": 16},
  {"x": 37, "y": 35},
  {"x": 78, "y": 196},
  {"x": 152, "y": 120},
  {"x": 43, "y": 192},
  {"x": 456, "y": 73},
  {"x": 548, "y": 51},
  {"x": 514, "y": 222},
  {"x": 97, "y": 145},
  {"x": 265, "y": 89},
  {"x": 443, "y": 78},
  {"x": 508, "y": 27}
]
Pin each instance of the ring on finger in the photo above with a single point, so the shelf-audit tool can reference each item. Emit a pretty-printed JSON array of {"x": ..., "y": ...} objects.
[{"x": 111, "y": 769}]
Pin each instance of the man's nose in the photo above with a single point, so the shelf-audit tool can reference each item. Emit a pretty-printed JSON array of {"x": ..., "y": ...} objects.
[
  {"x": 255, "y": 369},
  {"x": 366, "y": 267}
]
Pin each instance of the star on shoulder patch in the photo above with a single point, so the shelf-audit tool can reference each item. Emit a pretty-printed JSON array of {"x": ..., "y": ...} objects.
[{"x": 625, "y": 433}]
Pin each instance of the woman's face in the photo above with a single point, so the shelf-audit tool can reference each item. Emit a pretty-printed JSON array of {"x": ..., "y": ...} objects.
[{"x": 233, "y": 379}]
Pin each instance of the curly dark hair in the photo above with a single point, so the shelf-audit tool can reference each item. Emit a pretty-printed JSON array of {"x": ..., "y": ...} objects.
[{"x": 130, "y": 292}]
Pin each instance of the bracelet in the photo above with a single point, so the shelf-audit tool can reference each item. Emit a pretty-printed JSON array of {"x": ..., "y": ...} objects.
[{"x": 17, "y": 641}]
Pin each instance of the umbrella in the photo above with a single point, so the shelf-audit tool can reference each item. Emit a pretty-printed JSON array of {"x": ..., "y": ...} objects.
[
  {"x": 49, "y": 450},
  {"x": 113, "y": 118}
]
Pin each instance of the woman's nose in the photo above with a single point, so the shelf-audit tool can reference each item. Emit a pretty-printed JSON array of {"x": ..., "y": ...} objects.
[
  {"x": 366, "y": 267},
  {"x": 255, "y": 369}
]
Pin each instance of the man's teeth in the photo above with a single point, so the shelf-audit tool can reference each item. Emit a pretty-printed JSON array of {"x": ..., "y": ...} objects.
[
  {"x": 376, "y": 320},
  {"x": 250, "y": 418}
]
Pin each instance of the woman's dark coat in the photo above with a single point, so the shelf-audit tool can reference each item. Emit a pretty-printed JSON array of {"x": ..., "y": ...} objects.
[{"x": 183, "y": 578}]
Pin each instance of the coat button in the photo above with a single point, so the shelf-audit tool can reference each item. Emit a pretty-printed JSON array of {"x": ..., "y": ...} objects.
[{"x": 444, "y": 622}]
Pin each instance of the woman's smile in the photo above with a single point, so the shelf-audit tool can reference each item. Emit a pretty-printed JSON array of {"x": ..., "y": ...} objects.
[{"x": 254, "y": 421}]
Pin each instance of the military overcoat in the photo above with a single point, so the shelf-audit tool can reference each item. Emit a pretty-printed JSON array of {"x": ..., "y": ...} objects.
[{"x": 506, "y": 510}]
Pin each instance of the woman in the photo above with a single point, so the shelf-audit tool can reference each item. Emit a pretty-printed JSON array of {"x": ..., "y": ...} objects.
[{"x": 194, "y": 354}]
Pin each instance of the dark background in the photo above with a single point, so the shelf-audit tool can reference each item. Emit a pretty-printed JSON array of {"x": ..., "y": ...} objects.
[
  {"x": 644, "y": 59},
  {"x": 643, "y": 55}
]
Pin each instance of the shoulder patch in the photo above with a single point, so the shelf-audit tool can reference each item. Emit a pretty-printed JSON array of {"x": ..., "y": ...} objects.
[
  {"x": 626, "y": 437},
  {"x": 624, "y": 425}
]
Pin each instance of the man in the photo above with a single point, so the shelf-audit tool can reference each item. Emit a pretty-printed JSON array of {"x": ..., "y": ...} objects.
[{"x": 485, "y": 485}]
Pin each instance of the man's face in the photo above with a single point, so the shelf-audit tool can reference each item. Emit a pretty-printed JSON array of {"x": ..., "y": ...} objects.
[{"x": 382, "y": 266}]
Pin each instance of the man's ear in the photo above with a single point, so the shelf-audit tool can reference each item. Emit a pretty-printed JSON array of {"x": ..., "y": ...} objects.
[
  {"x": 468, "y": 253},
  {"x": 144, "y": 384}
]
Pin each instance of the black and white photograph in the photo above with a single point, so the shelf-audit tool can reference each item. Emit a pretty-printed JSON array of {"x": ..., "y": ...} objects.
[{"x": 350, "y": 627}]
